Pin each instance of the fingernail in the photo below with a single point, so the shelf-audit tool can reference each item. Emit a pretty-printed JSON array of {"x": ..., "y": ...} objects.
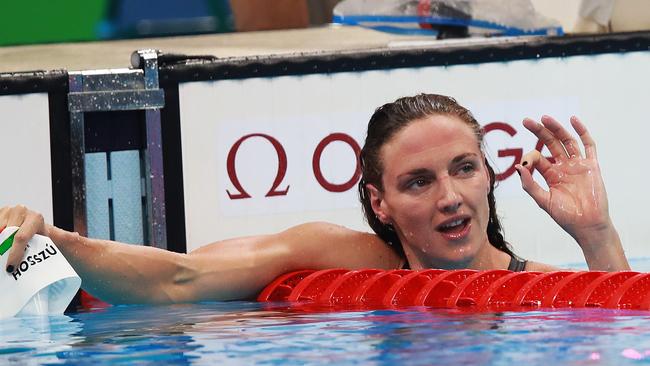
[
  {"x": 10, "y": 269},
  {"x": 524, "y": 163}
]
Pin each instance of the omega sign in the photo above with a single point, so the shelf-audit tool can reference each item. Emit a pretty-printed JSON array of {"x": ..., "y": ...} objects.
[{"x": 280, "y": 188}]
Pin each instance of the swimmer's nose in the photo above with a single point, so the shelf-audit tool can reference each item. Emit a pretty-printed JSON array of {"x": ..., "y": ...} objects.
[{"x": 449, "y": 200}]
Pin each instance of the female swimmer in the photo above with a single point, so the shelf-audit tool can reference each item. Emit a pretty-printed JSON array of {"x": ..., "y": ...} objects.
[{"x": 426, "y": 191}]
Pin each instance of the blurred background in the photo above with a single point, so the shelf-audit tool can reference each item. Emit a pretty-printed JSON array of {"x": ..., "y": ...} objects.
[{"x": 48, "y": 21}]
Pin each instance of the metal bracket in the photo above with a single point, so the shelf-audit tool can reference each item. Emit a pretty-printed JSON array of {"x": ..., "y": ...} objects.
[
  {"x": 115, "y": 90},
  {"x": 116, "y": 100}
]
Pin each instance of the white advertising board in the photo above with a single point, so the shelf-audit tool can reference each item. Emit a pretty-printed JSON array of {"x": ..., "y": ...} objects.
[
  {"x": 263, "y": 154},
  {"x": 25, "y": 149}
]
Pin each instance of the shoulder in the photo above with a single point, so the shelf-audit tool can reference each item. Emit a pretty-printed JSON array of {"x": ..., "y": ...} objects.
[
  {"x": 328, "y": 235},
  {"x": 330, "y": 245},
  {"x": 540, "y": 267},
  {"x": 329, "y": 231}
]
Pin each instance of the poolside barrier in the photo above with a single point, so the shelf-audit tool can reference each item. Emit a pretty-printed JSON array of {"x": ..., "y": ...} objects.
[{"x": 471, "y": 290}]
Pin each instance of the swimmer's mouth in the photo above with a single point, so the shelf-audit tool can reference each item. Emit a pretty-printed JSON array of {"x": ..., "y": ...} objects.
[{"x": 454, "y": 225}]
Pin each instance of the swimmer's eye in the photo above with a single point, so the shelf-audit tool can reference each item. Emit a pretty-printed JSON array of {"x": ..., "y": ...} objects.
[
  {"x": 467, "y": 168},
  {"x": 417, "y": 183}
]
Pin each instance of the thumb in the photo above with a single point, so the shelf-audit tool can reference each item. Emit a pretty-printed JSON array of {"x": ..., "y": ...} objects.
[{"x": 539, "y": 195}]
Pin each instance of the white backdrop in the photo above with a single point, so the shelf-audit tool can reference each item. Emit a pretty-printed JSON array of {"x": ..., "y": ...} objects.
[
  {"x": 26, "y": 176},
  {"x": 293, "y": 115}
]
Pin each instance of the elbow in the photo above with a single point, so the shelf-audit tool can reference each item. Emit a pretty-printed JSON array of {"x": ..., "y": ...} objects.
[
  {"x": 179, "y": 286},
  {"x": 185, "y": 272}
]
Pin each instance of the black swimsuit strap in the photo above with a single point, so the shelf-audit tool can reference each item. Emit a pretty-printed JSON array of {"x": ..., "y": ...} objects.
[
  {"x": 516, "y": 264},
  {"x": 406, "y": 264}
]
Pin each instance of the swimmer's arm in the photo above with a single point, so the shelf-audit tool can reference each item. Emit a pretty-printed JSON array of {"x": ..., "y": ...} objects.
[
  {"x": 120, "y": 273},
  {"x": 249, "y": 264},
  {"x": 228, "y": 270},
  {"x": 603, "y": 252},
  {"x": 603, "y": 249}
]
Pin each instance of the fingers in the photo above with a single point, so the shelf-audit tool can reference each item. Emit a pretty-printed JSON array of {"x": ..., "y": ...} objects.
[
  {"x": 534, "y": 160},
  {"x": 559, "y": 141},
  {"x": 547, "y": 137},
  {"x": 29, "y": 223},
  {"x": 539, "y": 195},
  {"x": 570, "y": 144},
  {"x": 585, "y": 137}
]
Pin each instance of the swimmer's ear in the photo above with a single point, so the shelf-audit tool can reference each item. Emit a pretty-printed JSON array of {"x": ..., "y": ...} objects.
[{"x": 376, "y": 198}]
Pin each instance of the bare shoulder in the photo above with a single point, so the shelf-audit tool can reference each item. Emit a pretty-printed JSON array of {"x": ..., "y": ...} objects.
[
  {"x": 541, "y": 267},
  {"x": 330, "y": 245},
  {"x": 314, "y": 245},
  {"x": 325, "y": 231}
]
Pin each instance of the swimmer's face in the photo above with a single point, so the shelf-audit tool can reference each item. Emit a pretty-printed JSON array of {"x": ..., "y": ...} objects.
[{"x": 435, "y": 192}]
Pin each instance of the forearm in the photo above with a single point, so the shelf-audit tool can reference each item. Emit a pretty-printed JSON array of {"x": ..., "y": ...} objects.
[
  {"x": 122, "y": 273},
  {"x": 603, "y": 251}
]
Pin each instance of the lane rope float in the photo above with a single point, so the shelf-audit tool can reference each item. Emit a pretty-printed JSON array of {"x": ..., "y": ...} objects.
[{"x": 471, "y": 290}]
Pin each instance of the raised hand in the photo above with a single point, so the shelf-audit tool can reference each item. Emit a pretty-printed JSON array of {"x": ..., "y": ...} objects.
[{"x": 576, "y": 198}]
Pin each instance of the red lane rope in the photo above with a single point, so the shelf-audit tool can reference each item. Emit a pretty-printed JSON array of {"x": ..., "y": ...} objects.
[{"x": 466, "y": 289}]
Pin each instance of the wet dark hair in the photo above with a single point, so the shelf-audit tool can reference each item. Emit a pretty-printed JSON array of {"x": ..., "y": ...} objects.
[{"x": 383, "y": 125}]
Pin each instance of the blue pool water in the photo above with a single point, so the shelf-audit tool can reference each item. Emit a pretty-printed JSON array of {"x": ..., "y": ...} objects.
[
  {"x": 245, "y": 333},
  {"x": 250, "y": 333}
]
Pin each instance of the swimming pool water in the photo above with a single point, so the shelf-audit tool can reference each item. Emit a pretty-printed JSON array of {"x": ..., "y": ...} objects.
[{"x": 246, "y": 333}]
